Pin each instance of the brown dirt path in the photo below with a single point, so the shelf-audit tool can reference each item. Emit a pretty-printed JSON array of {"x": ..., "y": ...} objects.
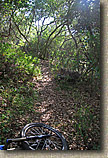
[
  {"x": 55, "y": 106},
  {"x": 64, "y": 109}
]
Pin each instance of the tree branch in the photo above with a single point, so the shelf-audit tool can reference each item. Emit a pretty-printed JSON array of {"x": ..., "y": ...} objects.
[
  {"x": 64, "y": 42},
  {"x": 52, "y": 34},
  {"x": 56, "y": 35},
  {"x": 31, "y": 22},
  {"x": 54, "y": 31},
  {"x": 72, "y": 36},
  {"x": 10, "y": 24},
  {"x": 21, "y": 32}
]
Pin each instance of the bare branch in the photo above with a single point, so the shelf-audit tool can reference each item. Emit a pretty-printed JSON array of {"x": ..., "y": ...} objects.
[
  {"x": 54, "y": 31},
  {"x": 47, "y": 26},
  {"x": 72, "y": 36},
  {"x": 64, "y": 42},
  {"x": 56, "y": 35},
  {"x": 21, "y": 32}
]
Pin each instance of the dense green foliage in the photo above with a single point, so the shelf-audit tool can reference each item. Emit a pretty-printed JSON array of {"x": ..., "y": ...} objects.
[{"x": 66, "y": 33}]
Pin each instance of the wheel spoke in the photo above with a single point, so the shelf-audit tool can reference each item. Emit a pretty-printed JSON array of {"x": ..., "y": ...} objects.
[
  {"x": 31, "y": 132},
  {"x": 35, "y": 130},
  {"x": 54, "y": 144},
  {"x": 54, "y": 141}
]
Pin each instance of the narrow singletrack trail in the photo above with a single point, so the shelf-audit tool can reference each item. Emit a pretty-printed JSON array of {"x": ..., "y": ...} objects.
[
  {"x": 55, "y": 106},
  {"x": 66, "y": 109}
]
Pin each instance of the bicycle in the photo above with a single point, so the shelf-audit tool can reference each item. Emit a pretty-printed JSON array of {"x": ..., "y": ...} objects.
[{"x": 37, "y": 136}]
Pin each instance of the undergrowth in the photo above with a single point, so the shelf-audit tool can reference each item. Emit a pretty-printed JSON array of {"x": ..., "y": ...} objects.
[
  {"x": 17, "y": 92},
  {"x": 86, "y": 100}
]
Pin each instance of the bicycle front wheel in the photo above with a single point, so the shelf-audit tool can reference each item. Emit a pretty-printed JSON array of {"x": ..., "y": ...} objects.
[{"x": 54, "y": 141}]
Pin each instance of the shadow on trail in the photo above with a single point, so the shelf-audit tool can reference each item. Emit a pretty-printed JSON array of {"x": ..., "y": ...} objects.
[
  {"x": 56, "y": 107},
  {"x": 64, "y": 109}
]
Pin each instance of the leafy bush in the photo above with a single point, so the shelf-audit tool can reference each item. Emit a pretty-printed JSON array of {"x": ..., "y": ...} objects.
[
  {"x": 21, "y": 60},
  {"x": 18, "y": 94}
]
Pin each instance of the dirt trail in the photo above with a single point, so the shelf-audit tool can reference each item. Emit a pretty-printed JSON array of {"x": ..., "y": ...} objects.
[
  {"x": 59, "y": 109},
  {"x": 55, "y": 106}
]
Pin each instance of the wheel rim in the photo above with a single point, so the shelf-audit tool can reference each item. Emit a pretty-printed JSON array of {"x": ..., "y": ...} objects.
[{"x": 54, "y": 142}]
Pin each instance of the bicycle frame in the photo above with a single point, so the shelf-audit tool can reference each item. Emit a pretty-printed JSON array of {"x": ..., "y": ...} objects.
[
  {"x": 37, "y": 136},
  {"x": 8, "y": 141}
]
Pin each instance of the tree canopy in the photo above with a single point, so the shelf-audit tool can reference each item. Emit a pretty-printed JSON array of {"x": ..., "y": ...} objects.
[{"x": 47, "y": 28}]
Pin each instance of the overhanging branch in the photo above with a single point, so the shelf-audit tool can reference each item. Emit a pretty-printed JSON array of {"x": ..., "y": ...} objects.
[
  {"x": 21, "y": 32},
  {"x": 72, "y": 36}
]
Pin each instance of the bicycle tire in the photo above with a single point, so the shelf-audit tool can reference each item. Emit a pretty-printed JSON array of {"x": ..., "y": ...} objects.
[{"x": 38, "y": 129}]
